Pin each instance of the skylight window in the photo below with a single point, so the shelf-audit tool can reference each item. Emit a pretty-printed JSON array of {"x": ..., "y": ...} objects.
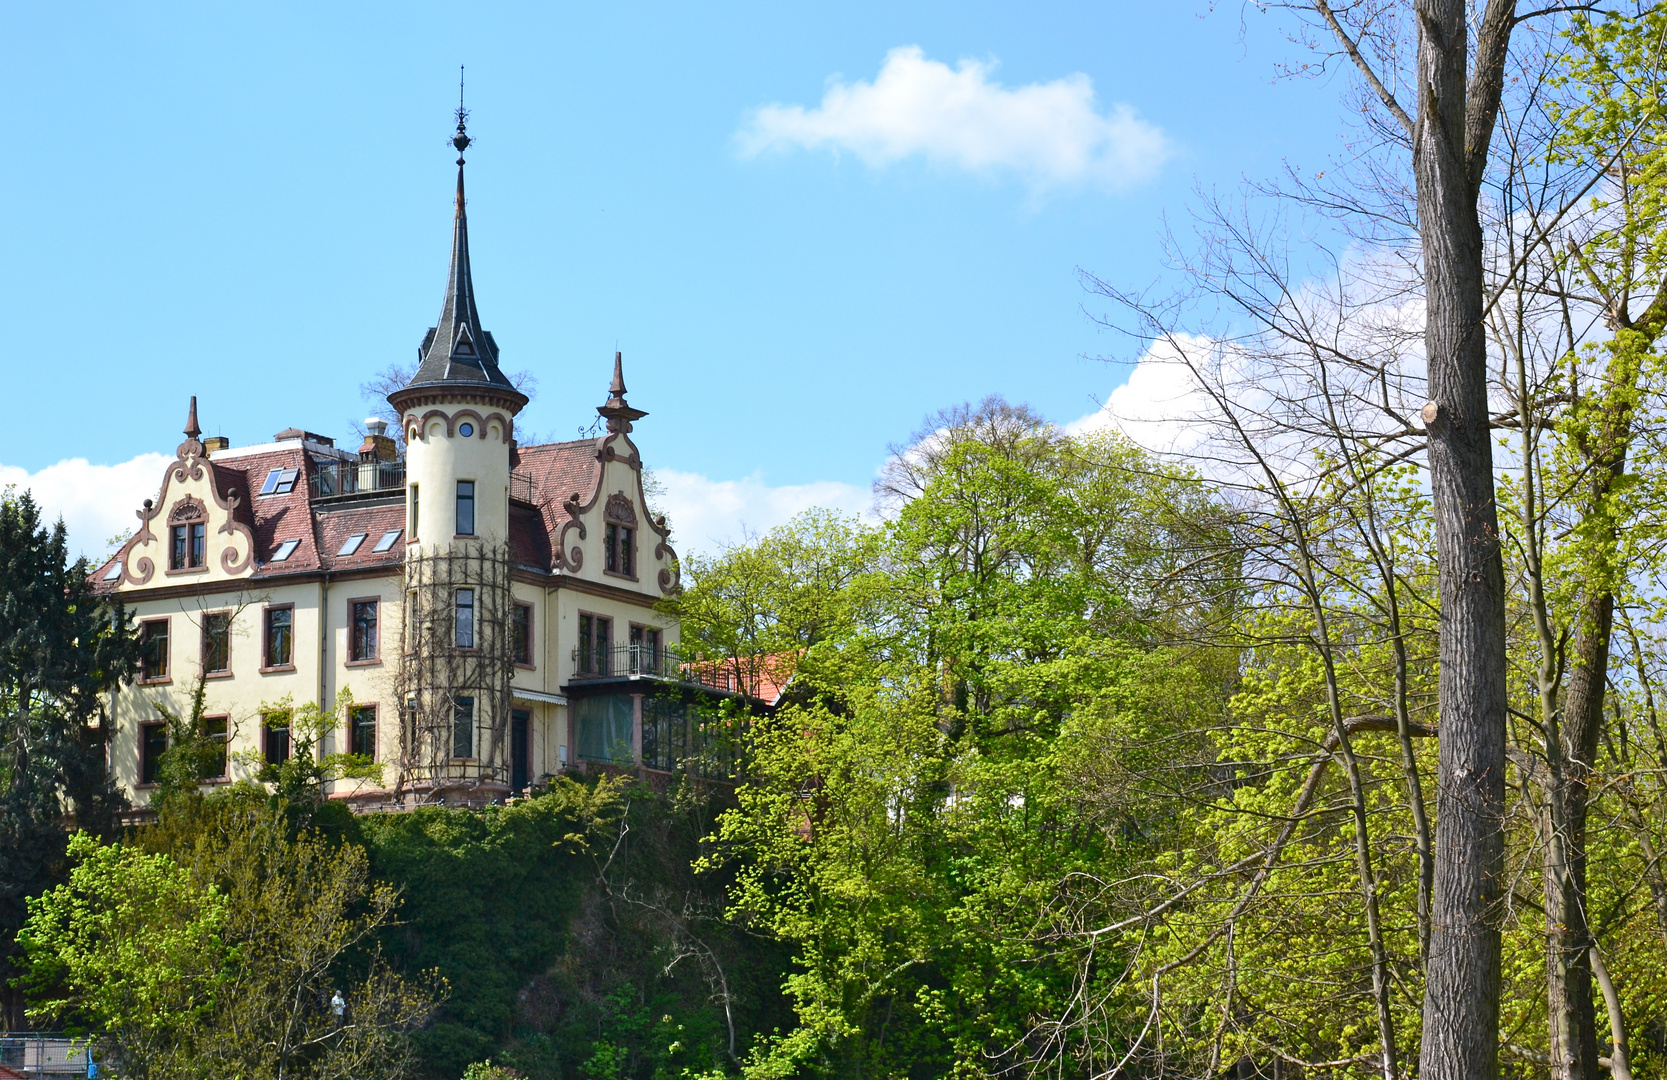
[
  {"x": 114, "y": 572},
  {"x": 280, "y": 482},
  {"x": 285, "y": 550},
  {"x": 388, "y": 540},
  {"x": 352, "y": 544}
]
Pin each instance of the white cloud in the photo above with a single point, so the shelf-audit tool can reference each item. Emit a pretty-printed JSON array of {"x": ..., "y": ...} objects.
[
  {"x": 95, "y": 501},
  {"x": 708, "y": 514},
  {"x": 1161, "y": 406},
  {"x": 1050, "y": 134}
]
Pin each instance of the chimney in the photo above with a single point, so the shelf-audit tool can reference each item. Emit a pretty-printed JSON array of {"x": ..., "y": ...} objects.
[
  {"x": 215, "y": 442},
  {"x": 377, "y": 446}
]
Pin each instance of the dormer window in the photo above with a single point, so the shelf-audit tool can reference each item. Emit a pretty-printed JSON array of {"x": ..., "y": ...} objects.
[{"x": 280, "y": 481}]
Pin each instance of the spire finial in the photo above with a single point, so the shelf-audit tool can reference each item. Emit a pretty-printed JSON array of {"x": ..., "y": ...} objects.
[
  {"x": 461, "y": 140},
  {"x": 191, "y": 428},
  {"x": 619, "y": 414}
]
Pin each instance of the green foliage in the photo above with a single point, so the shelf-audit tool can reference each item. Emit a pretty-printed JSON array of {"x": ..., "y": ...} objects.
[
  {"x": 250, "y": 951},
  {"x": 61, "y": 650}
]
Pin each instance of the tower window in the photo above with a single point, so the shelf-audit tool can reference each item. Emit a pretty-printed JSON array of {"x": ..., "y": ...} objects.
[
  {"x": 465, "y": 508},
  {"x": 465, "y": 629},
  {"x": 463, "y": 728},
  {"x": 414, "y": 507}
]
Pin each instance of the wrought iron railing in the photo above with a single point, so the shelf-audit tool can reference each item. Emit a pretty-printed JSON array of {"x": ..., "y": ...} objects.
[
  {"x": 644, "y": 661},
  {"x": 334, "y": 478},
  {"x": 522, "y": 488}
]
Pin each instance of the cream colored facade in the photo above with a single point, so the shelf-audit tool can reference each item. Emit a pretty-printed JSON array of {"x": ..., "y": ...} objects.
[{"x": 253, "y": 570}]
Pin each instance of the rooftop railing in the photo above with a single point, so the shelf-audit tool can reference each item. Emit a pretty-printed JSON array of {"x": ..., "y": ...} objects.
[
  {"x": 643, "y": 661},
  {"x": 335, "y": 478}
]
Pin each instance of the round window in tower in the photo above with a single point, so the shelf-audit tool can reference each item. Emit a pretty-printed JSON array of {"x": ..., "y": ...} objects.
[{"x": 466, "y": 429}]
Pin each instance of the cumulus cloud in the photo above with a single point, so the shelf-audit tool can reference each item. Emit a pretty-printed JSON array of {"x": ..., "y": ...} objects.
[
  {"x": 708, "y": 514},
  {"x": 1050, "y": 134},
  {"x": 1161, "y": 405},
  {"x": 96, "y": 502}
]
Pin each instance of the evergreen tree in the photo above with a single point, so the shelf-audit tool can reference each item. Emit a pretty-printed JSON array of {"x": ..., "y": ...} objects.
[{"x": 61, "y": 649}]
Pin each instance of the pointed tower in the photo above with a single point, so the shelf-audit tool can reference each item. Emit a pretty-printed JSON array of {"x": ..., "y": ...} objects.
[
  {"x": 458, "y": 411},
  {"x": 458, "y": 415}
]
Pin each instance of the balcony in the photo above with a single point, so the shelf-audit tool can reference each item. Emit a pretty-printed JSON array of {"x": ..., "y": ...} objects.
[
  {"x": 664, "y": 665},
  {"x": 334, "y": 479}
]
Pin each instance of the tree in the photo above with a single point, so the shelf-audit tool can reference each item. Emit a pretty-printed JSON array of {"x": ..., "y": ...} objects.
[
  {"x": 61, "y": 650},
  {"x": 250, "y": 953}
]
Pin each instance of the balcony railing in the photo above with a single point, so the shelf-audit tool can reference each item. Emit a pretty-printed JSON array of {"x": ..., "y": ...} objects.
[
  {"x": 641, "y": 661},
  {"x": 522, "y": 488},
  {"x": 335, "y": 478}
]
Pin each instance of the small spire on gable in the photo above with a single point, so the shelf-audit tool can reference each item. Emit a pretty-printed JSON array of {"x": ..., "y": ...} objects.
[
  {"x": 190, "y": 447},
  {"x": 617, "y": 412},
  {"x": 191, "y": 428}
]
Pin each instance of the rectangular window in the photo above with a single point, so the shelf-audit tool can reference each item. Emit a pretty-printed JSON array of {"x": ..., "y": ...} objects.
[
  {"x": 414, "y": 508},
  {"x": 463, "y": 728},
  {"x": 199, "y": 544},
  {"x": 276, "y": 730},
  {"x": 620, "y": 556},
  {"x": 362, "y": 633},
  {"x": 610, "y": 558},
  {"x": 217, "y": 642},
  {"x": 153, "y": 650},
  {"x": 280, "y": 481},
  {"x": 363, "y": 733},
  {"x": 522, "y": 631},
  {"x": 465, "y": 508},
  {"x": 153, "y": 743},
  {"x": 388, "y": 540},
  {"x": 214, "y": 762},
  {"x": 464, "y": 635},
  {"x": 595, "y": 650},
  {"x": 645, "y": 650},
  {"x": 285, "y": 550},
  {"x": 176, "y": 547},
  {"x": 602, "y": 728},
  {"x": 351, "y": 544},
  {"x": 413, "y": 632},
  {"x": 280, "y": 637}
]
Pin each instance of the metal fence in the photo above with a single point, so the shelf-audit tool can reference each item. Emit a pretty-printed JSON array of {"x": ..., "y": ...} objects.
[
  {"x": 738, "y": 677},
  {"x": 44, "y": 1054},
  {"x": 350, "y": 477}
]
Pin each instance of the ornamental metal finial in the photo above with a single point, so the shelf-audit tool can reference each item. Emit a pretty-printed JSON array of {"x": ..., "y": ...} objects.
[{"x": 461, "y": 140}]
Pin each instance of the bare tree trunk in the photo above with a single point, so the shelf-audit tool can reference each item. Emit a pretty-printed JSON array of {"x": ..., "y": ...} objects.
[{"x": 1456, "y": 114}]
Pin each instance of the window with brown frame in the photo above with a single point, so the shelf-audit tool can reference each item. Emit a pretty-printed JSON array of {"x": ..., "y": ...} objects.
[
  {"x": 275, "y": 730},
  {"x": 217, "y": 642},
  {"x": 153, "y": 650},
  {"x": 595, "y": 646},
  {"x": 645, "y": 650},
  {"x": 214, "y": 763},
  {"x": 280, "y": 637},
  {"x": 362, "y": 731},
  {"x": 521, "y": 631},
  {"x": 188, "y": 544},
  {"x": 153, "y": 743},
  {"x": 362, "y": 630}
]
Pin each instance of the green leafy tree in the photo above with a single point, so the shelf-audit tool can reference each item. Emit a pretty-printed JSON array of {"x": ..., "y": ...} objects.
[{"x": 61, "y": 650}]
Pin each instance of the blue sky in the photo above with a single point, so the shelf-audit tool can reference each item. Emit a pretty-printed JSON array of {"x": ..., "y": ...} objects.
[{"x": 252, "y": 204}]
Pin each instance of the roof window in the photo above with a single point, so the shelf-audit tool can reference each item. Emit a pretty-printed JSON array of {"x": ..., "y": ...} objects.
[
  {"x": 285, "y": 550},
  {"x": 388, "y": 540},
  {"x": 352, "y": 544},
  {"x": 114, "y": 572},
  {"x": 280, "y": 481}
]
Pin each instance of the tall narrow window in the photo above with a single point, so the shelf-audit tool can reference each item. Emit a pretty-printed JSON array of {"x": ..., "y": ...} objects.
[
  {"x": 198, "y": 552},
  {"x": 280, "y": 641},
  {"x": 627, "y": 551},
  {"x": 217, "y": 642},
  {"x": 363, "y": 720},
  {"x": 610, "y": 540},
  {"x": 214, "y": 761},
  {"x": 645, "y": 650},
  {"x": 153, "y": 651},
  {"x": 465, "y": 635},
  {"x": 594, "y": 648},
  {"x": 362, "y": 634},
  {"x": 153, "y": 743},
  {"x": 176, "y": 547},
  {"x": 465, "y": 508},
  {"x": 522, "y": 631},
  {"x": 276, "y": 730},
  {"x": 414, "y": 508},
  {"x": 463, "y": 728}
]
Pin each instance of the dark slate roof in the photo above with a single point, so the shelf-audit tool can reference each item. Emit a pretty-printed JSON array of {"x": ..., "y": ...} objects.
[{"x": 458, "y": 350}]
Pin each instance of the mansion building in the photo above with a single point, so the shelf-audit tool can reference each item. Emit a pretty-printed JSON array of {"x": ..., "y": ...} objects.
[{"x": 492, "y": 609}]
